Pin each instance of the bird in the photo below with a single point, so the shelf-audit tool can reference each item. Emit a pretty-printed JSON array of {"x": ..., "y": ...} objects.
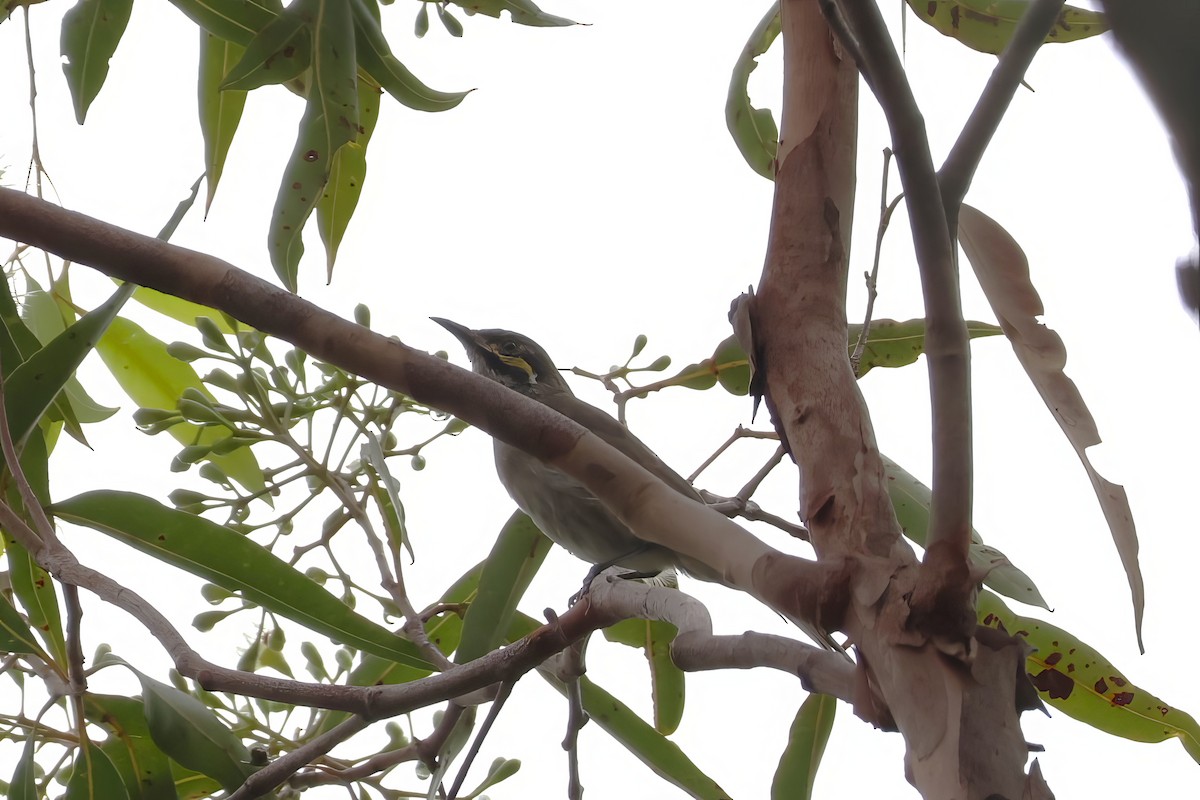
[
  {"x": 562, "y": 507},
  {"x": 569, "y": 514}
]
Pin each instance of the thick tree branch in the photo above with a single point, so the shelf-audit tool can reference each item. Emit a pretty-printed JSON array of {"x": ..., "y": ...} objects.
[
  {"x": 946, "y": 347},
  {"x": 959, "y": 167},
  {"x": 656, "y": 512}
]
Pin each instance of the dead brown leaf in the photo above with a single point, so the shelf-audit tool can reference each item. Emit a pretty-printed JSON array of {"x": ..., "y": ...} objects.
[{"x": 1003, "y": 272}]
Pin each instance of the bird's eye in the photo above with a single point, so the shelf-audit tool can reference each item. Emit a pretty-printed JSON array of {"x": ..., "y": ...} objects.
[{"x": 510, "y": 348}]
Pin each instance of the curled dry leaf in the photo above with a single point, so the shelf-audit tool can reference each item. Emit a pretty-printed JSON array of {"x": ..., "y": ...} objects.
[{"x": 1003, "y": 272}]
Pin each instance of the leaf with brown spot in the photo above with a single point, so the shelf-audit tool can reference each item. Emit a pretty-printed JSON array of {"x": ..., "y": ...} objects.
[
  {"x": 1076, "y": 679},
  {"x": 1003, "y": 273}
]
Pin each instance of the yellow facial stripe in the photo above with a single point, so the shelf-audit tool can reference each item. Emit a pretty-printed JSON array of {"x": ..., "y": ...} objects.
[{"x": 519, "y": 363}]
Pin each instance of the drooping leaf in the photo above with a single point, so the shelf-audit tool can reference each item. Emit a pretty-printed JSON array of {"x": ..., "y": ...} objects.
[
  {"x": 515, "y": 559},
  {"x": 23, "y": 785},
  {"x": 34, "y": 589},
  {"x": 376, "y": 58},
  {"x": 90, "y": 34},
  {"x": 153, "y": 378},
  {"x": 235, "y": 563},
  {"x": 32, "y": 387},
  {"x": 665, "y": 758},
  {"x": 346, "y": 176},
  {"x": 187, "y": 731},
  {"x": 1003, "y": 273},
  {"x": 15, "y": 633},
  {"x": 522, "y": 12},
  {"x": 797, "y": 770},
  {"x": 1073, "y": 677},
  {"x": 753, "y": 129},
  {"x": 234, "y": 20},
  {"x": 988, "y": 25},
  {"x": 73, "y": 404},
  {"x": 911, "y": 500},
  {"x": 667, "y": 681},
  {"x": 145, "y": 770},
  {"x": 330, "y": 121},
  {"x": 280, "y": 51},
  {"x": 93, "y": 776},
  {"x": 501, "y": 769},
  {"x": 220, "y": 110}
]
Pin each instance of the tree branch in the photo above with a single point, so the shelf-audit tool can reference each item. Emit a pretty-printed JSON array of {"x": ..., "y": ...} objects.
[
  {"x": 945, "y": 333},
  {"x": 956, "y": 173},
  {"x": 655, "y": 512}
]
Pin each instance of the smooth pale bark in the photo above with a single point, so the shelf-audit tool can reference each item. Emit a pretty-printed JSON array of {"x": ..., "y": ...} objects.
[{"x": 953, "y": 700}]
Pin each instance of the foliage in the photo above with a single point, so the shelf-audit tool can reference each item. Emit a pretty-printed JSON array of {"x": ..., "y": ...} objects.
[{"x": 285, "y": 443}]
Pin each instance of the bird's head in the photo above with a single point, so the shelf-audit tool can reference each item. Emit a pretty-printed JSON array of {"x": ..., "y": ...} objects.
[{"x": 509, "y": 358}]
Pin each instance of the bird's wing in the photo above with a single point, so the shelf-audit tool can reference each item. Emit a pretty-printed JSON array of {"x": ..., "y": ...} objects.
[{"x": 617, "y": 435}]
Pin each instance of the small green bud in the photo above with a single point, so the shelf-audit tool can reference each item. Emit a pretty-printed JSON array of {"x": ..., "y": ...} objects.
[
  {"x": 186, "y": 352},
  {"x": 211, "y": 334},
  {"x": 639, "y": 344},
  {"x": 362, "y": 314}
]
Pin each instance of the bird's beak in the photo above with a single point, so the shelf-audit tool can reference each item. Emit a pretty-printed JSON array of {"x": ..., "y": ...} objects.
[{"x": 468, "y": 338}]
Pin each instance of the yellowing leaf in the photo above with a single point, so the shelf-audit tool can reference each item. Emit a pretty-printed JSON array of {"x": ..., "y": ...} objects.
[{"x": 988, "y": 25}]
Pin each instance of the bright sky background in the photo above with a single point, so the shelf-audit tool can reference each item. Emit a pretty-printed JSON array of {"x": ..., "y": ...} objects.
[{"x": 588, "y": 192}]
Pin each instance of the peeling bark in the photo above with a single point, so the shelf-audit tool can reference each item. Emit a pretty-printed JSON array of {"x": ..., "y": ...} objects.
[{"x": 920, "y": 668}]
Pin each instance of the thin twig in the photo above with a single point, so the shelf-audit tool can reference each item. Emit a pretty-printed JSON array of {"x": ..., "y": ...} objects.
[
  {"x": 279, "y": 770},
  {"x": 959, "y": 167},
  {"x": 885, "y": 216},
  {"x": 752, "y": 485},
  {"x": 738, "y": 433},
  {"x": 945, "y": 334},
  {"x": 576, "y": 717},
  {"x": 505, "y": 690}
]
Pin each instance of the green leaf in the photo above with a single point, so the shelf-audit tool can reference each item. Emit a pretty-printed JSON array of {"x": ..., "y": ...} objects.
[
  {"x": 32, "y": 387},
  {"x": 753, "y": 129},
  {"x": 220, "y": 111},
  {"x": 234, "y": 20},
  {"x": 15, "y": 633},
  {"x": 144, "y": 769},
  {"x": 667, "y": 683},
  {"x": 988, "y": 25},
  {"x": 1076, "y": 679},
  {"x": 346, "y": 176},
  {"x": 501, "y": 769},
  {"x": 153, "y": 378},
  {"x": 280, "y": 51},
  {"x": 42, "y": 314},
  {"x": 522, "y": 12},
  {"x": 233, "y": 562},
  {"x": 653, "y": 749},
  {"x": 90, "y": 34},
  {"x": 23, "y": 786},
  {"x": 384, "y": 489},
  {"x": 515, "y": 559},
  {"x": 797, "y": 770},
  {"x": 911, "y": 500},
  {"x": 898, "y": 344},
  {"x": 93, "y": 776},
  {"x": 375, "y": 56},
  {"x": 330, "y": 121},
  {"x": 186, "y": 730},
  {"x": 34, "y": 588}
]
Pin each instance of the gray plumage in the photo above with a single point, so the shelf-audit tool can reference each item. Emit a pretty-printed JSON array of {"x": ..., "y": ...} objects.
[{"x": 561, "y": 506}]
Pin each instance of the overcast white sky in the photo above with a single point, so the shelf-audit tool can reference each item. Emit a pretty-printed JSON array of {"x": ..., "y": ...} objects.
[{"x": 588, "y": 192}]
